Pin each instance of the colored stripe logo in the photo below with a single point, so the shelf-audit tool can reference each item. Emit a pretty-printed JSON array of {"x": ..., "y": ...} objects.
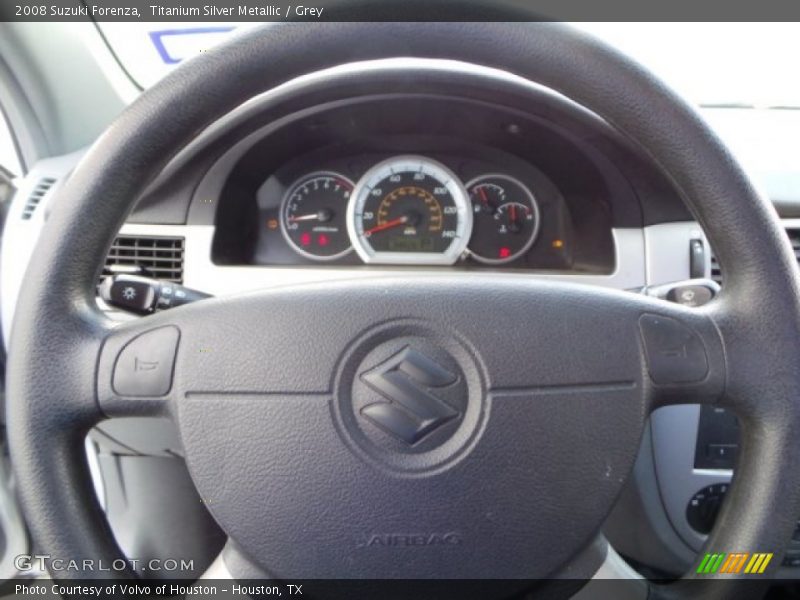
[{"x": 734, "y": 563}]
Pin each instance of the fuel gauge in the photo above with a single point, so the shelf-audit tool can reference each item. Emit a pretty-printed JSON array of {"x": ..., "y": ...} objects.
[{"x": 505, "y": 219}]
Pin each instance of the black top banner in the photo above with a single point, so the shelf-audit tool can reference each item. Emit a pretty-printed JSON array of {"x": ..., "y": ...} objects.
[{"x": 410, "y": 10}]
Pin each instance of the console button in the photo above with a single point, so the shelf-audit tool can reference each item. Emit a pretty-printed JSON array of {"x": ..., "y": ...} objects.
[
  {"x": 144, "y": 366},
  {"x": 129, "y": 292},
  {"x": 722, "y": 452},
  {"x": 690, "y": 295},
  {"x": 697, "y": 259},
  {"x": 675, "y": 353},
  {"x": 704, "y": 506}
]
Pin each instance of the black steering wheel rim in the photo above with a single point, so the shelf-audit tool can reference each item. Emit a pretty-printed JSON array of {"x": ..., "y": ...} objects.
[{"x": 58, "y": 331}]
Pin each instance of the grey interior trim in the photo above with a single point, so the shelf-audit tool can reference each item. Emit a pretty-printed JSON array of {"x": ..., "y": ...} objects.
[
  {"x": 73, "y": 105},
  {"x": 26, "y": 130},
  {"x": 20, "y": 236},
  {"x": 674, "y": 437},
  {"x": 791, "y": 223},
  {"x": 218, "y": 569},
  {"x": 653, "y": 541},
  {"x": 667, "y": 251},
  {"x": 628, "y": 584}
]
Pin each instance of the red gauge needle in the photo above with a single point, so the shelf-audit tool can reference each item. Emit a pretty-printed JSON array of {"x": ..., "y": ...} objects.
[
  {"x": 387, "y": 225},
  {"x": 482, "y": 192},
  {"x": 513, "y": 213}
]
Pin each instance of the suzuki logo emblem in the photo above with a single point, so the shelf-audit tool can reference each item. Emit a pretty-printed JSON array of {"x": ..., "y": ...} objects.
[{"x": 406, "y": 380}]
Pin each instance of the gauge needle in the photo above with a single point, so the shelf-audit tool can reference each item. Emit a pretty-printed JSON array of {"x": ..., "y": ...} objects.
[
  {"x": 387, "y": 225},
  {"x": 311, "y": 217},
  {"x": 323, "y": 215},
  {"x": 485, "y": 200}
]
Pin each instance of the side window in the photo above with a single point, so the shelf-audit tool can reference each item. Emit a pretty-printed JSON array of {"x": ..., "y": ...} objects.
[{"x": 9, "y": 158}]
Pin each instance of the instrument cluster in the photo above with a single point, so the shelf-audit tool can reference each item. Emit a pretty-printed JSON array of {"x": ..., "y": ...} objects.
[{"x": 412, "y": 209}]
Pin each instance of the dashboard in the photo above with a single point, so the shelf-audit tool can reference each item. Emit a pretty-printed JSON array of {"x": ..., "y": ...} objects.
[
  {"x": 412, "y": 209},
  {"x": 398, "y": 179}
]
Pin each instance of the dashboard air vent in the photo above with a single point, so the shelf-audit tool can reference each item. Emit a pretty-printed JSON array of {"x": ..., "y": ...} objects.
[
  {"x": 794, "y": 237},
  {"x": 158, "y": 257},
  {"x": 36, "y": 196}
]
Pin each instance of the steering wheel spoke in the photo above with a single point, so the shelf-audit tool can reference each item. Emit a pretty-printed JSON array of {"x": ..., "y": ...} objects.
[
  {"x": 136, "y": 368},
  {"x": 684, "y": 355}
]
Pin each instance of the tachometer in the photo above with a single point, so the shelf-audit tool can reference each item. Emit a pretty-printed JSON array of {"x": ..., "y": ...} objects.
[
  {"x": 409, "y": 210},
  {"x": 313, "y": 215},
  {"x": 505, "y": 219}
]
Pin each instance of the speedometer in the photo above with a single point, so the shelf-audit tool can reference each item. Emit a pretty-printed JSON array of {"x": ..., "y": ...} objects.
[{"x": 409, "y": 210}]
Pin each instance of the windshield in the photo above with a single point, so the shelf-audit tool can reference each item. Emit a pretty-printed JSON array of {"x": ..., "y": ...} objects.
[{"x": 711, "y": 64}]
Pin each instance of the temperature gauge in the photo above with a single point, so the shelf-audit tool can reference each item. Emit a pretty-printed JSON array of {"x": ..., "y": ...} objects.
[{"x": 505, "y": 219}]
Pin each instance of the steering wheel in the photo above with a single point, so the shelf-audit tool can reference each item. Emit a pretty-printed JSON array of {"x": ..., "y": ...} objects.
[{"x": 545, "y": 401}]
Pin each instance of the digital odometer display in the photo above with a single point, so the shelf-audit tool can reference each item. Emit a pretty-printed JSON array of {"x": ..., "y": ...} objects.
[
  {"x": 409, "y": 210},
  {"x": 398, "y": 244}
]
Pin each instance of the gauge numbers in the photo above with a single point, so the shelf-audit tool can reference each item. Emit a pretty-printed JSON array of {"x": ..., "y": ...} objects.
[
  {"x": 411, "y": 210},
  {"x": 313, "y": 216},
  {"x": 505, "y": 219}
]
